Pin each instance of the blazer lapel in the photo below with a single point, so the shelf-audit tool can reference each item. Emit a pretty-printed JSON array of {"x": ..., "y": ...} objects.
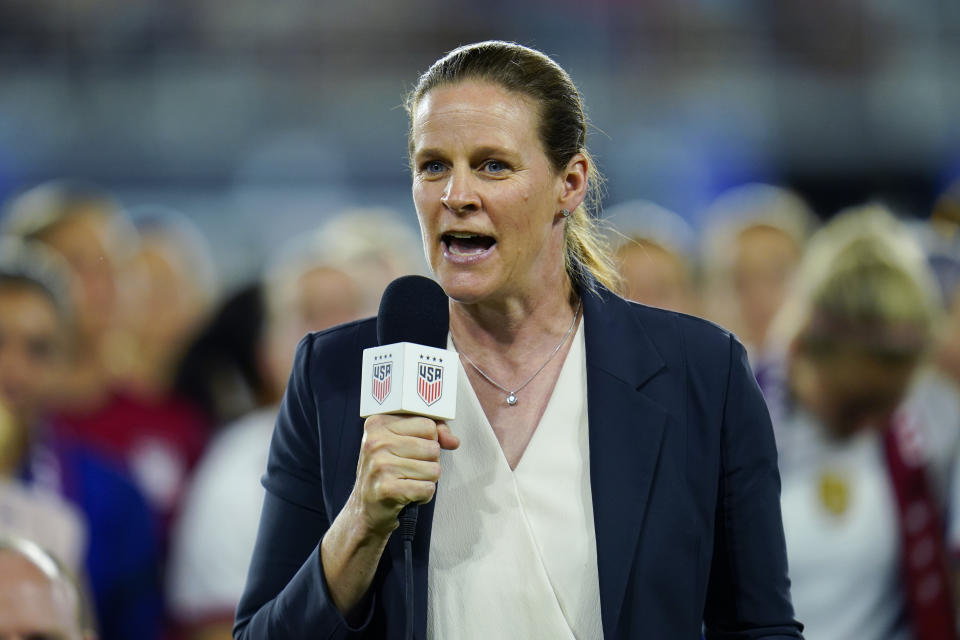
[{"x": 626, "y": 430}]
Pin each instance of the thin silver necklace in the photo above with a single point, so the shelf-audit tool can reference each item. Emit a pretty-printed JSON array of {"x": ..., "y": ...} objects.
[{"x": 512, "y": 395}]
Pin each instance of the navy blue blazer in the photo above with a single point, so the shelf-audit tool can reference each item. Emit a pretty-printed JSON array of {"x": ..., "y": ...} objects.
[{"x": 683, "y": 473}]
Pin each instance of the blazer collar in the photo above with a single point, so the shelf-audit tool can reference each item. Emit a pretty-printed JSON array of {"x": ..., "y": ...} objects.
[
  {"x": 625, "y": 434},
  {"x": 616, "y": 341}
]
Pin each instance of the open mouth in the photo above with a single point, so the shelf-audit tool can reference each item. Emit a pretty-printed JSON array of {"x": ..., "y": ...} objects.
[{"x": 466, "y": 244}]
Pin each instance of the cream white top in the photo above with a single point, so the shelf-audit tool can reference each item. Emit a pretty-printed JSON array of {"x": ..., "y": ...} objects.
[{"x": 513, "y": 553}]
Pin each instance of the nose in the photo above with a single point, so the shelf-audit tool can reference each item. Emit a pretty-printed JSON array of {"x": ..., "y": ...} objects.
[{"x": 459, "y": 194}]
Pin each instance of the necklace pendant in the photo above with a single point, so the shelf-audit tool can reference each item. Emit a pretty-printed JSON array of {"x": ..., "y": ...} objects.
[{"x": 512, "y": 399}]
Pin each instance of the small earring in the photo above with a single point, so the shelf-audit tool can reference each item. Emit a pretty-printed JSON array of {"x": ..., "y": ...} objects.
[{"x": 565, "y": 213}]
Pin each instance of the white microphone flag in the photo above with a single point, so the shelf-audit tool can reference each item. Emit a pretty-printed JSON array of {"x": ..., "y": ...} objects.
[{"x": 409, "y": 378}]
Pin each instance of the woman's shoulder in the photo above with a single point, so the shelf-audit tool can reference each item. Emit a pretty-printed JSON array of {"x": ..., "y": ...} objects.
[
  {"x": 338, "y": 344},
  {"x": 675, "y": 354},
  {"x": 331, "y": 359},
  {"x": 344, "y": 336},
  {"x": 693, "y": 335}
]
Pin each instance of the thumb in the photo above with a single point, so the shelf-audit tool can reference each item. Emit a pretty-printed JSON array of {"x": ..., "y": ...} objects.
[{"x": 446, "y": 438}]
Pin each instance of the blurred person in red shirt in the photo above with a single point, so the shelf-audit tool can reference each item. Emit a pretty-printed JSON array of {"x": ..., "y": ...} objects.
[
  {"x": 157, "y": 439},
  {"x": 167, "y": 293}
]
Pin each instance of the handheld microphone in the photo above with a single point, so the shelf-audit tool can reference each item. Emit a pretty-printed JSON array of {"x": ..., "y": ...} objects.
[{"x": 411, "y": 372}]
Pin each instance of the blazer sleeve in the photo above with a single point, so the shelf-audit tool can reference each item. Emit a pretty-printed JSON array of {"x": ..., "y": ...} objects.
[
  {"x": 286, "y": 595},
  {"x": 748, "y": 593}
]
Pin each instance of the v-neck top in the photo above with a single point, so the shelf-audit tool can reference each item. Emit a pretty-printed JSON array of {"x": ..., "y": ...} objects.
[{"x": 513, "y": 553}]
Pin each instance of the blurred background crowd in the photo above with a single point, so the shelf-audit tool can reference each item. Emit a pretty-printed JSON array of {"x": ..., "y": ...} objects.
[{"x": 186, "y": 189}]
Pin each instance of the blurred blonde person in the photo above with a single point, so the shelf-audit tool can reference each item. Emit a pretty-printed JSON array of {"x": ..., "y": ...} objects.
[
  {"x": 166, "y": 294},
  {"x": 753, "y": 242},
  {"x": 868, "y": 440},
  {"x": 654, "y": 255},
  {"x": 305, "y": 291},
  {"x": 377, "y": 247}
]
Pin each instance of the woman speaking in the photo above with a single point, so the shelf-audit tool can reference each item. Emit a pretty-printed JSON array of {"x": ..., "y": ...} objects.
[{"x": 611, "y": 471}]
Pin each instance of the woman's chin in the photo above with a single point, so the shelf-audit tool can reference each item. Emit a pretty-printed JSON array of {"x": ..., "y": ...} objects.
[{"x": 466, "y": 289}]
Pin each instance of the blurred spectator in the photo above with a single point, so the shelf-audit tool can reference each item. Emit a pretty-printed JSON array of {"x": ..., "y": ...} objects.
[
  {"x": 230, "y": 369},
  {"x": 157, "y": 439},
  {"x": 941, "y": 241},
  {"x": 38, "y": 596},
  {"x": 754, "y": 240},
  {"x": 86, "y": 227},
  {"x": 869, "y": 438},
  {"x": 940, "y": 238},
  {"x": 223, "y": 370},
  {"x": 55, "y": 490},
  {"x": 376, "y": 245},
  {"x": 655, "y": 255},
  {"x": 214, "y": 538},
  {"x": 946, "y": 212},
  {"x": 167, "y": 292},
  {"x": 948, "y": 347}
]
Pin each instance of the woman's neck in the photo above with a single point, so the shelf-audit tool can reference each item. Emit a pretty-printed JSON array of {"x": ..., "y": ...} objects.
[{"x": 513, "y": 329}]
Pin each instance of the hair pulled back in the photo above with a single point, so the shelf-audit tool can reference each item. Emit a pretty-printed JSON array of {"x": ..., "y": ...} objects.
[{"x": 562, "y": 132}]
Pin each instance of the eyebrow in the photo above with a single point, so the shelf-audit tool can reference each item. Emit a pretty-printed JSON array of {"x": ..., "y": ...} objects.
[
  {"x": 480, "y": 152},
  {"x": 428, "y": 152}
]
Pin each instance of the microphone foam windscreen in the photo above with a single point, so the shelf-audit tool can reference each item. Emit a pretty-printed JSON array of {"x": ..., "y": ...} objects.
[{"x": 414, "y": 309}]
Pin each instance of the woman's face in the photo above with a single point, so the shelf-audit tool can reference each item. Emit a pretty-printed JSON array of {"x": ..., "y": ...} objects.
[
  {"x": 765, "y": 260},
  {"x": 487, "y": 198},
  {"x": 850, "y": 390},
  {"x": 84, "y": 240},
  {"x": 31, "y": 351},
  {"x": 655, "y": 276}
]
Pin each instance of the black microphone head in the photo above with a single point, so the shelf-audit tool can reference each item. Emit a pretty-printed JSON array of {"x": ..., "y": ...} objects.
[{"x": 414, "y": 309}]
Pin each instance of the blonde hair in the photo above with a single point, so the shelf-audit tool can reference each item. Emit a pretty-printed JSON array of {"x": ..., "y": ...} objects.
[
  {"x": 865, "y": 283},
  {"x": 562, "y": 131},
  {"x": 368, "y": 245},
  {"x": 36, "y": 212}
]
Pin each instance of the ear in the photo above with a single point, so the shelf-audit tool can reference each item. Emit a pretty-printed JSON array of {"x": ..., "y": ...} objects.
[{"x": 573, "y": 182}]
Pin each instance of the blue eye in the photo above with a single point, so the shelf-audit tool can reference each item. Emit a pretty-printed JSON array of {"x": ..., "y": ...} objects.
[
  {"x": 495, "y": 166},
  {"x": 433, "y": 166}
]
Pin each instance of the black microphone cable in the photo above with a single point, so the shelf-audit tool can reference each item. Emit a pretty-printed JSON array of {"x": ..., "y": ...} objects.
[{"x": 408, "y": 529}]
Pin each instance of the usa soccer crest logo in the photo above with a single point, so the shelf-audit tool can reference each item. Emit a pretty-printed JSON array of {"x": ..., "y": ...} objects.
[
  {"x": 382, "y": 377},
  {"x": 429, "y": 381}
]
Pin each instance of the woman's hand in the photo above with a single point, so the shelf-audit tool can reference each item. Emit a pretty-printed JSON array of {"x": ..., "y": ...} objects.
[{"x": 399, "y": 464}]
